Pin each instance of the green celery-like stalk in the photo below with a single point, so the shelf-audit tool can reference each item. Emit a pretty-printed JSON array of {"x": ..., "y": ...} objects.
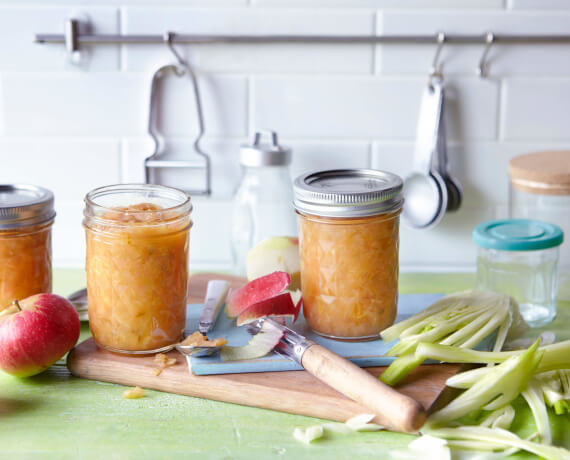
[
  {"x": 535, "y": 400},
  {"x": 462, "y": 319},
  {"x": 499, "y": 437},
  {"x": 556, "y": 356},
  {"x": 399, "y": 368},
  {"x": 498, "y": 386}
]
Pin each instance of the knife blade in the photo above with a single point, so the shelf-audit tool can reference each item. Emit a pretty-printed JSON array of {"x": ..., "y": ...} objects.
[
  {"x": 393, "y": 410},
  {"x": 216, "y": 293}
]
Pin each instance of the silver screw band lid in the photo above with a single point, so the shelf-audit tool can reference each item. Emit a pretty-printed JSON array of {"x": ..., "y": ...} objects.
[
  {"x": 22, "y": 205},
  {"x": 348, "y": 193}
]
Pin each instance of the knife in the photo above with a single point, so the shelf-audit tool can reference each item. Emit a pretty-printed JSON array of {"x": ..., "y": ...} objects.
[
  {"x": 393, "y": 410},
  {"x": 215, "y": 297}
]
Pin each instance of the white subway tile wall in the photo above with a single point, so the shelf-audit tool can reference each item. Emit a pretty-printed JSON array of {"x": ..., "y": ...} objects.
[{"x": 72, "y": 126}]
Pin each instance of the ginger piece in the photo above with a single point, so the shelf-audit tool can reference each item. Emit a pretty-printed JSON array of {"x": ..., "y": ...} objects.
[
  {"x": 163, "y": 362},
  {"x": 134, "y": 393},
  {"x": 197, "y": 339}
]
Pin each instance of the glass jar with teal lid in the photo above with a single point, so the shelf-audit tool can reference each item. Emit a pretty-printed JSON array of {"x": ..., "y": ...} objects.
[{"x": 519, "y": 257}]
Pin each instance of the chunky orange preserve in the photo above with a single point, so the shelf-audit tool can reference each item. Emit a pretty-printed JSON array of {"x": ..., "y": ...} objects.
[
  {"x": 137, "y": 276},
  {"x": 349, "y": 274},
  {"x": 25, "y": 263}
]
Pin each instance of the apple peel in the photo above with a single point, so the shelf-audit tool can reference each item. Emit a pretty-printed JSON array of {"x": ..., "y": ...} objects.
[
  {"x": 280, "y": 306},
  {"x": 259, "y": 345},
  {"x": 256, "y": 291}
]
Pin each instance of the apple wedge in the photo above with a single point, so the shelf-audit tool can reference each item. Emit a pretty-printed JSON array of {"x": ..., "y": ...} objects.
[
  {"x": 280, "y": 306},
  {"x": 255, "y": 291}
]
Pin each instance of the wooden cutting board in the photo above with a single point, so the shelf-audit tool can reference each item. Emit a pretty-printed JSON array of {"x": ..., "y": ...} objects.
[{"x": 296, "y": 392}]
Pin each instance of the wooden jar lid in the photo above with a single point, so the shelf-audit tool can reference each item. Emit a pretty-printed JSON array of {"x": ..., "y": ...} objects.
[{"x": 545, "y": 173}]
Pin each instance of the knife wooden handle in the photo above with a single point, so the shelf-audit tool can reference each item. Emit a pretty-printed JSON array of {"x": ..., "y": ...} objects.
[{"x": 393, "y": 410}]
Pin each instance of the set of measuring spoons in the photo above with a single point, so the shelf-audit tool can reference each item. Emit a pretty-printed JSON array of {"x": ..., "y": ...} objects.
[{"x": 430, "y": 191}]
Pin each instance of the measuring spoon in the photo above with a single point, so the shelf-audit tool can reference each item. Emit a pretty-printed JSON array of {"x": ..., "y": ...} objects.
[
  {"x": 425, "y": 191},
  {"x": 454, "y": 190}
]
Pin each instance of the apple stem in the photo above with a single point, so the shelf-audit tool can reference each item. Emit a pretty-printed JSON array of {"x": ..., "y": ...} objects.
[{"x": 16, "y": 304}]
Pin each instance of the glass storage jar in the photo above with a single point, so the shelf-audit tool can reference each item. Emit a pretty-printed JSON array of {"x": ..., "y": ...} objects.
[
  {"x": 137, "y": 266},
  {"x": 519, "y": 257},
  {"x": 348, "y": 241},
  {"x": 26, "y": 217},
  {"x": 263, "y": 202},
  {"x": 540, "y": 189}
]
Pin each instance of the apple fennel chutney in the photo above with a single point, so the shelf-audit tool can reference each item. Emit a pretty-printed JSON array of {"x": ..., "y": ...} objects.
[
  {"x": 348, "y": 241},
  {"x": 137, "y": 266},
  {"x": 26, "y": 217}
]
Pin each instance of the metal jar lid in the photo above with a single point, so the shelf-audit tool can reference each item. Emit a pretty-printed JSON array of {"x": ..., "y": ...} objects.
[
  {"x": 265, "y": 154},
  {"x": 348, "y": 193},
  {"x": 22, "y": 205}
]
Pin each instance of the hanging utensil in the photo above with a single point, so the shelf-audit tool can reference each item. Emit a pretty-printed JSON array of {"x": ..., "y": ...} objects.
[
  {"x": 393, "y": 410},
  {"x": 180, "y": 69},
  {"x": 425, "y": 191},
  {"x": 441, "y": 164}
]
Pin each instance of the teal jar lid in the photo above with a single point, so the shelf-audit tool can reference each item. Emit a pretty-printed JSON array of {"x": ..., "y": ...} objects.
[{"x": 517, "y": 235}]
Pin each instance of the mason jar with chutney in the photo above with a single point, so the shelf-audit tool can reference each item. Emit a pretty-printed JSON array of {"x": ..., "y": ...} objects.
[
  {"x": 348, "y": 241},
  {"x": 137, "y": 266},
  {"x": 26, "y": 218}
]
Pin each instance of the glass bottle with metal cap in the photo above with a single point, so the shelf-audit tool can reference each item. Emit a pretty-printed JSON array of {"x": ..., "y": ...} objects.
[
  {"x": 26, "y": 217},
  {"x": 348, "y": 242},
  {"x": 262, "y": 205}
]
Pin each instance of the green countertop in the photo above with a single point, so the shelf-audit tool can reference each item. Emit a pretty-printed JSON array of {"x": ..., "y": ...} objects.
[{"x": 55, "y": 415}]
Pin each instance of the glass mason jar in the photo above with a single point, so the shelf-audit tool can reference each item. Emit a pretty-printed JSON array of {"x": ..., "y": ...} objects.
[
  {"x": 137, "y": 266},
  {"x": 26, "y": 217},
  {"x": 348, "y": 241},
  {"x": 519, "y": 257},
  {"x": 540, "y": 189}
]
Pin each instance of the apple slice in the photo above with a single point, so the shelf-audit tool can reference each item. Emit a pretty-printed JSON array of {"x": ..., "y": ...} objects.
[
  {"x": 275, "y": 253},
  {"x": 280, "y": 306},
  {"x": 255, "y": 291}
]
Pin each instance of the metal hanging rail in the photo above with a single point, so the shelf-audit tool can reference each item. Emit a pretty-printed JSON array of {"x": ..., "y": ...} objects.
[
  {"x": 197, "y": 39},
  {"x": 73, "y": 38}
]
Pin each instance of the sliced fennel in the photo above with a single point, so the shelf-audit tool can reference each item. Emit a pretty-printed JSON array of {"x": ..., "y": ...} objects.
[
  {"x": 498, "y": 386},
  {"x": 309, "y": 434},
  {"x": 556, "y": 356},
  {"x": 474, "y": 436},
  {"x": 460, "y": 320}
]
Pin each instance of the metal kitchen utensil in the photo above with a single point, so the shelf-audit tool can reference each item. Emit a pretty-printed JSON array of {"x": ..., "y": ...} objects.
[
  {"x": 216, "y": 293},
  {"x": 441, "y": 162},
  {"x": 425, "y": 190},
  {"x": 393, "y": 410},
  {"x": 180, "y": 69},
  {"x": 79, "y": 300}
]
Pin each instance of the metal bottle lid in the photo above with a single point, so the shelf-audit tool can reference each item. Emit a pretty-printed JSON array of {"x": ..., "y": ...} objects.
[
  {"x": 348, "y": 193},
  {"x": 22, "y": 205},
  {"x": 265, "y": 154}
]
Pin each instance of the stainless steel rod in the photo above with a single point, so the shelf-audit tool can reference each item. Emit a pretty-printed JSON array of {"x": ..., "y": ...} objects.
[{"x": 325, "y": 39}]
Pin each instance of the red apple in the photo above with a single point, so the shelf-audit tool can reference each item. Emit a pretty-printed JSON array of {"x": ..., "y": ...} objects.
[{"x": 35, "y": 333}]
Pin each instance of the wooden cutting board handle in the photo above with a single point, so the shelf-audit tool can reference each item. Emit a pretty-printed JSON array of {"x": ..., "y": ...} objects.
[{"x": 394, "y": 410}]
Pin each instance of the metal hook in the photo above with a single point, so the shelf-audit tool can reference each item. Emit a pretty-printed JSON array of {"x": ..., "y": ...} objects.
[
  {"x": 435, "y": 70},
  {"x": 483, "y": 65},
  {"x": 184, "y": 67}
]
